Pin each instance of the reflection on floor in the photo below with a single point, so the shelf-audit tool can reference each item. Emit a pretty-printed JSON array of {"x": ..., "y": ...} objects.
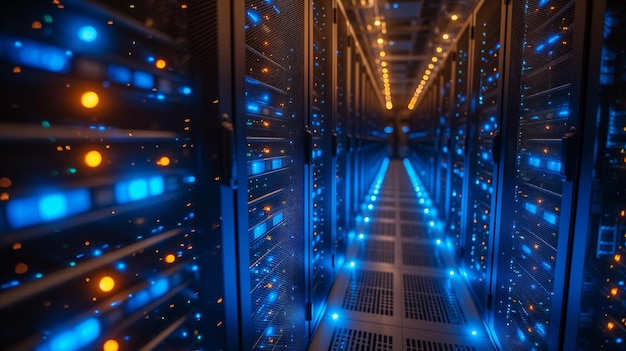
[{"x": 399, "y": 288}]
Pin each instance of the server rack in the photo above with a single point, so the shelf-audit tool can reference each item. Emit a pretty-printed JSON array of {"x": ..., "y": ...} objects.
[
  {"x": 535, "y": 200},
  {"x": 107, "y": 239},
  {"x": 458, "y": 137},
  {"x": 340, "y": 136},
  {"x": 596, "y": 303},
  {"x": 321, "y": 128},
  {"x": 271, "y": 149},
  {"x": 443, "y": 82},
  {"x": 482, "y": 143}
]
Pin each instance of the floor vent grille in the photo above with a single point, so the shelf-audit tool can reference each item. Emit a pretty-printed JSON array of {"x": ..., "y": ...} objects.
[
  {"x": 414, "y": 254},
  {"x": 432, "y": 299},
  {"x": 383, "y": 228},
  {"x": 413, "y": 231},
  {"x": 378, "y": 251},
  {"x": 370, "y": 292},
  {"x": 385, "y": 214},
  {"x": 411, "y": 216},
  {"x": 424, "y": 345},
  {"x": 359, "y": 340}
]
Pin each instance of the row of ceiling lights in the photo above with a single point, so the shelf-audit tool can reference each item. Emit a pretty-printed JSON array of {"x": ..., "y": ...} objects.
[
  {"x": 429, "y": 70},
  {"x": 383, "y": 64}
]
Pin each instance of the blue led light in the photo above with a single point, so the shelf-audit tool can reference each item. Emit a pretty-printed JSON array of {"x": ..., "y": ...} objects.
[
  {"x": 554, "y": 165},
  {"x": 277, "y": 163},
  {"x": 143, "y": 80},
  {"x": 138, "y": 189},
  {"x": 259, "y": 230},
  {"x": 73, "y": 339},
  {"x": 87, "y": 33},
  {"x": 550, "y": 217},
  {"x": 361, "y": 236},
  {"x": 520, "y": 335},
  {"x": 50, "y": 206},
  {"x": 34, "y": 54},
  {"x": 254, "y": 17},
  {"x": 532, "y": 208},
  {"x": 121, "y": 266},
  {"x": 534, "y": 161},
  {"x": 335, "y": 316},
  {"x": 526, "y": 249},
  {"x": 272, "y": 297},
  {"x": 277, "y": 219},
  {"x": 137, "y": 301},
  {"x": 543, "y": 3},
  {"x": 388, "y": 129},
  {"x": 159, "y": 287},
  {"x": 553, "y": 39},
  {"x": 257, "y": 167},
  {"x": 11, "y": 284},
  {"x": 185, "y": 90}
]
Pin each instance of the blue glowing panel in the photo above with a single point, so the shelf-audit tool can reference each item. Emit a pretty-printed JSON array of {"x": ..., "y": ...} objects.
[
  {"x": 47, "y": 207},
  {"x": 120, "y": 74},
  {"x": 143, "y": 80},
  {"x": 34, "y": 54},
  {"x": 87, "y": 33}
]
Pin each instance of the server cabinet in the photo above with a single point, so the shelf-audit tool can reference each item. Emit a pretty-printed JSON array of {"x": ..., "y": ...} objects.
[
  {"x": 483, "y": 126},
  {"x": 106, "y": 235},
  {"x": 270, "y": 146},
  {"x": 596, "y": 313},
  {"x": 535, "y": 200},
  {"x": 443, "y": 83},
  {"x": 340, "y": 136},
  {"x": 459, "y": 110},
  {"x": 321, "y": 188}
]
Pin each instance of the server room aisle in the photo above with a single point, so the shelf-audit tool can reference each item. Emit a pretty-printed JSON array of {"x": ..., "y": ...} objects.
[{"x": 399, "y": 288}]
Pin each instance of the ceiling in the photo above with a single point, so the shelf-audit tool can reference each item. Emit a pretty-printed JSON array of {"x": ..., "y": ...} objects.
[{"x": 411, "y": 32}]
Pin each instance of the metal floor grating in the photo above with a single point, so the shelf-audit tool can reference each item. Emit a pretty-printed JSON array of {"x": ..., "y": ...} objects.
[
  {"x": 370, "y": 292},
  {"x": 427, "y": 345},
  {"x": 378, "y": 251},
  {"x": 385, "y": 214},
  {"x": 416, "y": 254},
  {"x": 386, "y": 203},
  {"x": 418, "y": 231},
  {"x": 412, "y": 215},
  {"x": 431, "y": 299},
  {"x": 359, "y": 340},
  {"x": 383, "y": 228}
]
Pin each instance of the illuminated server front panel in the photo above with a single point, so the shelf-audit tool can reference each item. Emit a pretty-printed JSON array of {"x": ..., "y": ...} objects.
[
  {"x": 274, "y": 124},
  {"x": 99, "y": 235},
  {"x": 342, "y": 147},
  {"x": 542, "y": 31},
  {"x": 601, "y": 318},
  {"x": 444, "y": 138},
  {"x": 321, "y": 128},
  {"x": 458, "y": 116},
  {"x": 483, "y": 127}
]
